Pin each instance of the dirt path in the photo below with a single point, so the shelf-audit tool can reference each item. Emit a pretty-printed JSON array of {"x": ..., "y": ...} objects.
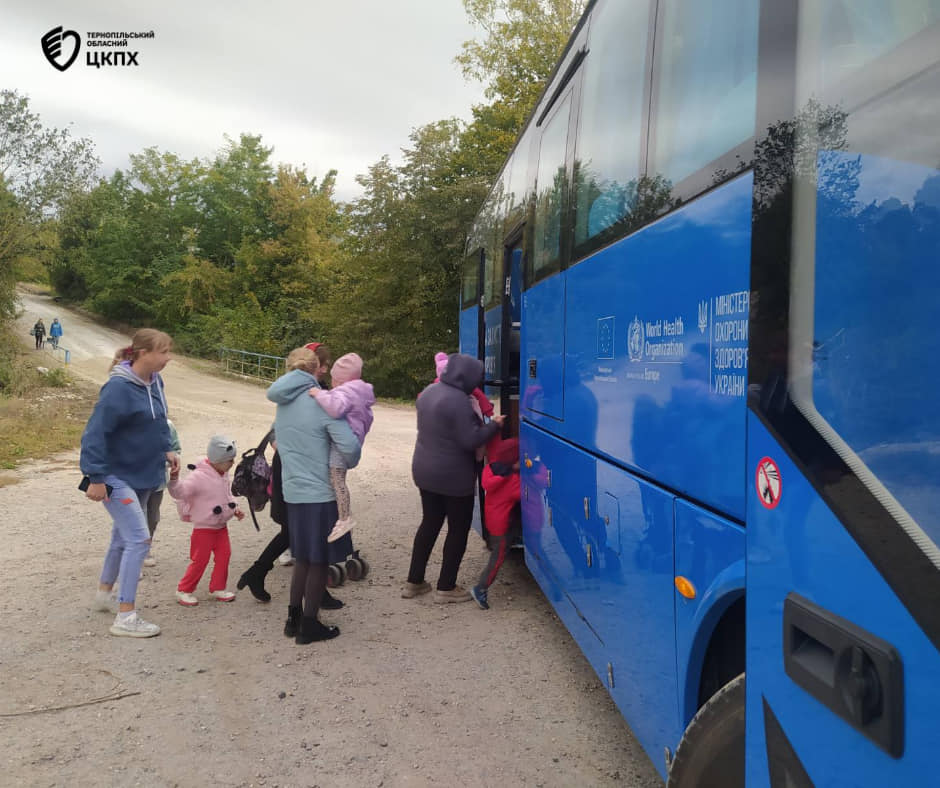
[{"x": 411, "y": 694}]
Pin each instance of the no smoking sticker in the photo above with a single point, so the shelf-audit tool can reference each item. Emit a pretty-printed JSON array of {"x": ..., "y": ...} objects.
[{"x": 768, "y": 483}]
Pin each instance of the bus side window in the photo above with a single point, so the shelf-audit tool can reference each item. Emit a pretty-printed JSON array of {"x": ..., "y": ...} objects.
[
  {"x": 470, "y": 281},
  {"x": 707, "y": 84},
  {"x": 551, "y": 195},
  {"x": 610, "y": 137}
]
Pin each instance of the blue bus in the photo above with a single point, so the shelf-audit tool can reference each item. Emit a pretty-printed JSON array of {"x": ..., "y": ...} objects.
[{"x": 703, "y": 286}]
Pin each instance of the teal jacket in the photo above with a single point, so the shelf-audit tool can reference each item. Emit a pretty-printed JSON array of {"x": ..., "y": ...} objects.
[{"x": 304, "y": 433}]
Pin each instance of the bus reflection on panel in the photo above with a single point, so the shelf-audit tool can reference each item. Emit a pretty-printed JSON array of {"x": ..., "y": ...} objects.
[{"x": 703, "y": 286}]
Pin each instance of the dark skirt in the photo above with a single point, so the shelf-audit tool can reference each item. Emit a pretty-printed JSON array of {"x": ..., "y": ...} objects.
[{"x": 309, "y": 524}]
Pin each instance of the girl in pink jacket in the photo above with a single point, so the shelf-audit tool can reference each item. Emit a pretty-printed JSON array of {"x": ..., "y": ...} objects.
[
  {"x": 204, "y": 498},
  {"x": 350, "y": 398}
]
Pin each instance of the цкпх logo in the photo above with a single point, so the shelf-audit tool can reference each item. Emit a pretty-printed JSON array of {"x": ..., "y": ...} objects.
[{"x": 52, "y": 47}]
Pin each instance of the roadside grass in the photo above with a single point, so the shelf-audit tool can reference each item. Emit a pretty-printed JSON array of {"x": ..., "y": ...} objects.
[{"x": 41, "y": 414}]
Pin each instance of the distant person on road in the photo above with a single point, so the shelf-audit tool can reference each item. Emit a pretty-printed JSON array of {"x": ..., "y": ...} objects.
[
  {"x": 444, "y": 470},
  {"x": 351, "y": 398},
  {"x": 55, "y": 331},
  {"x": 304, "y": 433},
  {"x": 125, "y": 448},
  {"x": 156, "y": 497},
  {"x": 204, "y": 498},
  {"x": 39, "y": 332}
]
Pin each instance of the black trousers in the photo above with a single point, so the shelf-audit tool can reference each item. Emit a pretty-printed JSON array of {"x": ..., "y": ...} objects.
[{"x": 434, "y": 508}]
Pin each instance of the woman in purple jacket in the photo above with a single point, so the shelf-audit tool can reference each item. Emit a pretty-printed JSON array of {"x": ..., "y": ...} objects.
[{"x": 444, "y": 469}]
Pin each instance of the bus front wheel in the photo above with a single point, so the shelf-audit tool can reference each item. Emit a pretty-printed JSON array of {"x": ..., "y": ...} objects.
[{"x": 711, "y": 752}]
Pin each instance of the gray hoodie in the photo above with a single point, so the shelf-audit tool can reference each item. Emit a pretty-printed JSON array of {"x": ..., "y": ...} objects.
[{"x": 449, "y": 431}]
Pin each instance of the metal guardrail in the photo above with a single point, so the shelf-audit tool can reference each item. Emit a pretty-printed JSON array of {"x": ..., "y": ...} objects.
[
  {"x": 252, "y": 365},
  {"x": 59, "y": 352}
]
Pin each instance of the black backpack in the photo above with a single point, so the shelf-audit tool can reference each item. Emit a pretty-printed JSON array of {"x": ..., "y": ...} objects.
[{"x": 252, "y": 476}]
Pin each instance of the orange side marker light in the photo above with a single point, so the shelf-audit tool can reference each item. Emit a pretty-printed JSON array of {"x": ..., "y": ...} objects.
[{"x": 684, "y": 586}]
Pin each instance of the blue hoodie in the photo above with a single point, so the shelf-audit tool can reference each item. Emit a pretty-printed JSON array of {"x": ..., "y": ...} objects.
[
  {"x": 127, "y": 435},
  {"x": 304, "y": 432}
]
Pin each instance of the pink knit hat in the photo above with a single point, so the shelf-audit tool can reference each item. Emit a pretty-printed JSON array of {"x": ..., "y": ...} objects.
[
  {"x": 345, "y": 368},
  {"x": 440, "y": 362}
]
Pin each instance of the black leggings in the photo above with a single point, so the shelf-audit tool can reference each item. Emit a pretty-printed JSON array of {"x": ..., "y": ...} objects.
[
  {"x": 434, "y": 508},
  {"x": 275, "y": 547}
]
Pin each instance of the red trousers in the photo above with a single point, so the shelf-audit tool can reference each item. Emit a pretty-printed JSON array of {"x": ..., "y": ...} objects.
[{"x": 203, "y": 543}]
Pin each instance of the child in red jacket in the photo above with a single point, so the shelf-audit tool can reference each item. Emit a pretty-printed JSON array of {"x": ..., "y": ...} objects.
[
  {"x": 503, "y": 521},
  {"x": 204, "y": 498}
]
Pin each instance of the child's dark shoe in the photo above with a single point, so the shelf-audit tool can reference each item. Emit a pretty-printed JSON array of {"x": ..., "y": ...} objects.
[
  {"x": 330, "y": 602},
  {"x": 479, "y": 596}
]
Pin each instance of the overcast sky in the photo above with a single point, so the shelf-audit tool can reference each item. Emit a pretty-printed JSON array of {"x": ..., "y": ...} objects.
[{"x": 330, "y": 84}]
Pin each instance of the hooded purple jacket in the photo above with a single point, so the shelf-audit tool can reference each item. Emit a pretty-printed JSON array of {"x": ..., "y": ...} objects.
[{"x": 449, "y": 432}]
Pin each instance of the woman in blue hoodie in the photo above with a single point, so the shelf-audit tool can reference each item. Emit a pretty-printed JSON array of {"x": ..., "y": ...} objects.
[
  {"x": 304, "y": 433},
  {"x": 125, "y": 448}
]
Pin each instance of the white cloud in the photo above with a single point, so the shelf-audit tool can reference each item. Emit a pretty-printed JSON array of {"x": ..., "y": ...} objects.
[{"x": 329, "y": 85}]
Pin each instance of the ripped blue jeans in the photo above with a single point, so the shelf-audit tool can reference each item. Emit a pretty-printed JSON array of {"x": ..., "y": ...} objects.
[{"x": 130, "y": 538}]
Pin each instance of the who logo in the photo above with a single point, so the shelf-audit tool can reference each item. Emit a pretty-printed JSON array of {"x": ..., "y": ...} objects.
[{"x": 52, "y": 47}]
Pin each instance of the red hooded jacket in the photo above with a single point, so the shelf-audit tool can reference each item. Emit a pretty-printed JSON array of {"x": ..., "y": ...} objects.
[{"x": 502, "y": 492}]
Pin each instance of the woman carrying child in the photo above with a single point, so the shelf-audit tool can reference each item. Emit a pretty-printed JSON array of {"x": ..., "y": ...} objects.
[
  {"x": 255, "y": 575},
  {"x": 350, "y": 398},
  {"x": 125, "y": 448},
  {"x": 304, "y": 434}
]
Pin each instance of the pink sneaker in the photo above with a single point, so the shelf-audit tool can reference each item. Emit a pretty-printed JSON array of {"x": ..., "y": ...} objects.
[
  {"x": 341, "y": 528},
  {"x": 224, "y": 596}
]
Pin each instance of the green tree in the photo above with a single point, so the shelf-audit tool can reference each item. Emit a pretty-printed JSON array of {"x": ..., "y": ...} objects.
[
  {"x": 234, "y": 198},
  {"x": 288, "y": 273},
  {"x": 395, "y": 298},
  {"x": 39, "y": 168},
  {"x": 523, "y": 39}
]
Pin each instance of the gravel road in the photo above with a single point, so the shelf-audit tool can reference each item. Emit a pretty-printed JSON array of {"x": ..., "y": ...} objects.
[{"x": 411, "y": 694}]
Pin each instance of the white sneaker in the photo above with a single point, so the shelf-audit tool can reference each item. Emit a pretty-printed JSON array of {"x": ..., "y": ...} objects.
[
  {"x": 341, "y": 528},
  {"x": 105, "y": 601},
  {"x": 150, "y": 560},
  {"x": 223, "y": 596},
  {"x": 133, "y": 626},
  {"x": 189, "y": 600},
  {"x": 286, "y": 559}
]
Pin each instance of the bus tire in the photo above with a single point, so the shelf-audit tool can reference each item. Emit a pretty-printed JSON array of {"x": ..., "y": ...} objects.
[{"x": 711, "y": 752}]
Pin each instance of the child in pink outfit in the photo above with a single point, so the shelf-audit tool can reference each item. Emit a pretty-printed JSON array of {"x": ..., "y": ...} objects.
[
  {"x": 204, "y": 498},
  {"x": 350, "y": 398}
]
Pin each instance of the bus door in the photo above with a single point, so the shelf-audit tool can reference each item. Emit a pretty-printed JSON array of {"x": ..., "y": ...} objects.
[
  {"x": 511, "y": 330},
  {"x": 843, "y": 445}
]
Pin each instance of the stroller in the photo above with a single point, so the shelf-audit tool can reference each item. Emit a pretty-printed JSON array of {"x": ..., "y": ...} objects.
[{"x": 345, "y": 563}]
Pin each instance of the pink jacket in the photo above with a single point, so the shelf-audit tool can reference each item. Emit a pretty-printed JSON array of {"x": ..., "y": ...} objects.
[
  {"x": 204, "y": 497},
  {"x": 352, "y": 400}
]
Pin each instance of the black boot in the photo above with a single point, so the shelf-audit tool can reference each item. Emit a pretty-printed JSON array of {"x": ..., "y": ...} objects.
[
  {"x": 292, "y": 625},
  {"x": 311, "y": 630},
  {"x": 330, "y": 602},
  {"x": 254, "y": 579}
]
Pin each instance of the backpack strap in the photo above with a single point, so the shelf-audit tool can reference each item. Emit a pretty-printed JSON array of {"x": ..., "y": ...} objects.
[
  {"x": 253, "y": 518},
  {"x": 265, "y": 441}
]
